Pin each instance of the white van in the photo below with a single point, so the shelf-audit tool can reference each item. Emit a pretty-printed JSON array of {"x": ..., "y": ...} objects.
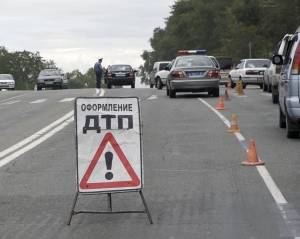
[{"x": 158, "y": 66}]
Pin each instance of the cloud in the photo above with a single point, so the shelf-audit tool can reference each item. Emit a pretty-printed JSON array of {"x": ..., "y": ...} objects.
[{"x": 74, "y": 34}]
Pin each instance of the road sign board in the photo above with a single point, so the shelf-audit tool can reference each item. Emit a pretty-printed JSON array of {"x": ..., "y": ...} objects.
[{"x": 109, "y": 146}]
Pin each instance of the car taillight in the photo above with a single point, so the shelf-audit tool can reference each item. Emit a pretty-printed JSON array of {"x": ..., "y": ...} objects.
[
  {"x": 131, "y": 74},
  {"x": 278, "y": 69},
  {"x": 252, "y": 72},
  {"x": 296, "y": 61},
  {"x": 177, "y": 74},
  {"x": 214, "y": 73},
  {"x": 109, "y": 74}
]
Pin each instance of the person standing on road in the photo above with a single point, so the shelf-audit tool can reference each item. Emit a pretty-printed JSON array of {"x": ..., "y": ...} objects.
[{"x": 98, "y": 72}]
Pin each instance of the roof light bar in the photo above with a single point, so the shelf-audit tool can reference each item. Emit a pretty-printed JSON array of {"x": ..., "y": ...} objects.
[{"x": 192, "y": 52}]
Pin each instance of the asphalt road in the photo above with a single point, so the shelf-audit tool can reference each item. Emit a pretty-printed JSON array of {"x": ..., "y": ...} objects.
[{"x": 194, "y": 183}]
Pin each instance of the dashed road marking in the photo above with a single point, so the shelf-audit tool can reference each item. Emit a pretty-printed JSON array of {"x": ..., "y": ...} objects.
[
  {"x": 67, "y": 99},
  {"x": 10, "y": 102},
  {"x": 38, "y": 101}
]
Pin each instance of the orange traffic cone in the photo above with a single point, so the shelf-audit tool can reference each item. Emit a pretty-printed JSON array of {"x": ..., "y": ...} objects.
[
  {"x": 237, "y": 87},
  {"x": 226, "y": 96},
  {"x": 233, "y": 127},
  {"x": 241, "y": 90},
  {"x": 229, "y": 84},
  {"x": 252, "y": 158},
  {"x": 221, "y": 105}
]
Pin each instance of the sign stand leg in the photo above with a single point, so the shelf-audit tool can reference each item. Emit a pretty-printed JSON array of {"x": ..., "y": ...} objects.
[
  {"x": 72, "y": 212},
  {"x": 109, "y": 209},
  {"x": 109, "y": 202},
  {"x": 146, "y": 207}
]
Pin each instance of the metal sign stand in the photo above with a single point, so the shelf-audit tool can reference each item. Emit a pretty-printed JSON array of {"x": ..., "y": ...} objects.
[{"x": 109, "y": 209}]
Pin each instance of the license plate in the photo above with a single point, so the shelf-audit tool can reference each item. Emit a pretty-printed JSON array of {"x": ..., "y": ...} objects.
[
  {"x": 195, "y": 73},
  {"x": 48, "y": 82}
]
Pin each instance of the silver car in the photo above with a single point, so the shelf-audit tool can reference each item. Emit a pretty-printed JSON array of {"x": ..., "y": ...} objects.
[
  {"x": 7, "y": 82},
  {"x": 289, "y": 86},
  {"x": 192, "y": 71}
]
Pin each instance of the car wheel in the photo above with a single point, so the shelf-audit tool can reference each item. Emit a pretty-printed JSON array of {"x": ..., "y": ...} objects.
[
  {"x": 108, "y": 86},
  {"x": 265, "y": 88},
  {"x": 159, "y": 83},
  {"x": 216, "y": 92},
  {"x": 232, "y": 84},
  {"x": 269, "y": 88},
  {"x": 151, "y": 85},
  {"x": 244, "y": 85},
  {"x": 133, "y": 85},
  {"x": 38, "y": 88},
  {"x": 282, "y": 122},
  {"x": 172, "y": 93},
  {"x": 167, "y": 90},
  {"x": 290, "y": 134},
  {"x": 261, "y": 86},
  {"x": 274, "y": 98}
]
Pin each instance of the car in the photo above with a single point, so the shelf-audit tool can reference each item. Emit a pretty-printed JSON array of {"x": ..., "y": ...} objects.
[
  {"x": 7, "y": 82},
  {"x": 249, "y": 72},
  {"x": 52, "y": 78},
  {"x": 268, "y": 74},
  {"x": 192, "y": 71},
  {"x": 282, "y": 48},
  {"x": 289, "y": 86},
  {"x": 119, "y": 75},
  {"x": 157, "y": 66},
  {"x": 226, "y": 65},
  {"x": 161, "y": 76}
]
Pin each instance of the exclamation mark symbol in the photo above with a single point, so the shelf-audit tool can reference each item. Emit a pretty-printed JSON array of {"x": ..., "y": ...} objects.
[{"x": 108, "y": 161}]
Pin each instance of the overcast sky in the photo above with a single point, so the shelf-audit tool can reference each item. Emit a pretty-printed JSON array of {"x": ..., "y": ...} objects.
[{"x": 76, "y": 33}]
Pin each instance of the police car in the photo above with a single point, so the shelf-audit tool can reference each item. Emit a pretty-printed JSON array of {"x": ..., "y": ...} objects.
[{"x": 193, "y": 71}]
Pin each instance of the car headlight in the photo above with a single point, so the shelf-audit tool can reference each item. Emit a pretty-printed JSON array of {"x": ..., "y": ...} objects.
[
  {"x": 40, "y": 81},
  {"x": 58, "y": 80}
]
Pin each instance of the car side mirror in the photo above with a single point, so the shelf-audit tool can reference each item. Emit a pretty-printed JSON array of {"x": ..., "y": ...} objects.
[
  {"x": 277, "y": 60},
  {"x": 167, "y": 68}
]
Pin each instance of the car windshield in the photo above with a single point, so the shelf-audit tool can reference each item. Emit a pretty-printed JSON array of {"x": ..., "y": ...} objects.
[
  {"x": 120, "y": 68},
  {"x": 162, "y": 66},
  {"x": 194, "y": 61},
  {"x": 6, "y": 77},
  {"x": 225, "y": 63},
  {"x": 257, "y": 63},
  {"x": 49, "y": 73}
]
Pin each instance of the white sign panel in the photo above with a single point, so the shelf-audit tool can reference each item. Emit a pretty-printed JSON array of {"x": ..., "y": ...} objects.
[{"x": 109, "y": 148}]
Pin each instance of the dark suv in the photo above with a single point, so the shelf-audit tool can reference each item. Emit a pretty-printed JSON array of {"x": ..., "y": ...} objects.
[{"x": 52, "y": 77}]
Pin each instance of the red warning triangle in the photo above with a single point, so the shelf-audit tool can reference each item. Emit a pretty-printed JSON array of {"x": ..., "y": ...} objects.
[{"x": 135, "y": 181}]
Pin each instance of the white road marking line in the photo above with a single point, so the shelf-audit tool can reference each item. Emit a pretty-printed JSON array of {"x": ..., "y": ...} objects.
[
  {"x": 271, "y": 185},
  {"x": 38, "y": 101},
  {"x": 35, "y": 143},
  {"x": 152, "y": 97},
  {"x": 67, "y": 99},
  {"x": 67, "y": 118},
  {"x": 36, "y": 135},
  {"x": 13, "y": 97},
  {"x": 10, "y": 102}
]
